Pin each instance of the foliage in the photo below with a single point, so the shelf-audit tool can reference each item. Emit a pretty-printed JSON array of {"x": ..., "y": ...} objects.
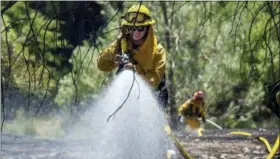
[
  {"x": 26, "y": 50},
  {"x": 219, "y": 50},
  {"x": 79, "y": 84}
]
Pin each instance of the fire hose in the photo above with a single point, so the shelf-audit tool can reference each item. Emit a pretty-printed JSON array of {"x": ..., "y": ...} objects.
[
  {"x": 272, "y": 151},
  {"x": 176, "y": 142}
]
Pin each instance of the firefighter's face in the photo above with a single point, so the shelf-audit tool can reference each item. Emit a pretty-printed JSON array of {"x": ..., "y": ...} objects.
[{"x": 138, "y": 32}]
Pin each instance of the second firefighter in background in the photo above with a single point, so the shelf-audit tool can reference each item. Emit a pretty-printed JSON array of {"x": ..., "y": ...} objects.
[{"x": 192, "y": 110}]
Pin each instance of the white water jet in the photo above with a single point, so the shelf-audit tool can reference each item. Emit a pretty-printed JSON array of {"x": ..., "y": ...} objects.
[{"x": 137, "y": 129}]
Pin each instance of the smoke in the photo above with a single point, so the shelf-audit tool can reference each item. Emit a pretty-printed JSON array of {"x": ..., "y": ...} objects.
[{"x": 136, "y": 130}]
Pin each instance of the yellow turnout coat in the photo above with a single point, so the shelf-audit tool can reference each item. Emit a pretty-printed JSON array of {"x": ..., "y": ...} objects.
[{"x": 149, "y": 56}]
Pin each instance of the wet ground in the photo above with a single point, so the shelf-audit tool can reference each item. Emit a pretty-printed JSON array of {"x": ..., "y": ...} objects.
[{"x": 213, "y": 145}]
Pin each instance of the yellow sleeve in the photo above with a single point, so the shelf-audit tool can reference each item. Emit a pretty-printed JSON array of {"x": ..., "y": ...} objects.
[
  {"x": 183, "y": 108},
  {"x": 105, "y": 60},
  {"x": 155, "y": 75}
]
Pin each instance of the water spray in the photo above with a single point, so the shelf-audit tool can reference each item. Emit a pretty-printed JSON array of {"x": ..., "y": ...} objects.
[
  {"x": 114, "y": 113},
  {"x": 124, "y": 59}
]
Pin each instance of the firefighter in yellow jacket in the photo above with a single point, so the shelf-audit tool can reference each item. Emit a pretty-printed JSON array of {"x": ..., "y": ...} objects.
[
  {"x": 192, "y": 110},
  {"x": 147, "y": 56}
]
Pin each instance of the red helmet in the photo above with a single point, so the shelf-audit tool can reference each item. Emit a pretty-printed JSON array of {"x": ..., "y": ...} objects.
[{"x": 199, "y": 95}]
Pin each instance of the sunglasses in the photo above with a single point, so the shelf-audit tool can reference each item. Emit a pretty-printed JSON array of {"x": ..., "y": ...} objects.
[
  {"x": 139, "y": 28},
  {"x": 136, "y": 16}
]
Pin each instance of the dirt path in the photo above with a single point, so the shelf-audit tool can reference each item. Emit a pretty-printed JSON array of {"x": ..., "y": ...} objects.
[{"x": 212, "y": 145}]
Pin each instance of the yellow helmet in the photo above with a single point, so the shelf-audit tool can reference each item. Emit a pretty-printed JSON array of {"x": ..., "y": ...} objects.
[{"x": 138, "y": 15}]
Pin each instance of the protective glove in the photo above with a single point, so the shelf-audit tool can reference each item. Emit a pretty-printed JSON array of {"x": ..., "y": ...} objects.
[
  {"x": 129, "y": 66},
  {"x": 121, "y": 60}
]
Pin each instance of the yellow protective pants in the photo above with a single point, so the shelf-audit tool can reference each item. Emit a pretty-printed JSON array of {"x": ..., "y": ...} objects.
[{"x": 193, "y": 122}]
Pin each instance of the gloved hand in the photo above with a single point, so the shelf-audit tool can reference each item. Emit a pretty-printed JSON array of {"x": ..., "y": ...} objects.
[
  {"x": 121, "y": 59},
  {"x": 129, "y": 66}
]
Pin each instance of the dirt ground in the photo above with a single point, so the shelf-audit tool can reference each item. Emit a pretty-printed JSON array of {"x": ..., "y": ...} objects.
[{"x": 213, "y": 145}]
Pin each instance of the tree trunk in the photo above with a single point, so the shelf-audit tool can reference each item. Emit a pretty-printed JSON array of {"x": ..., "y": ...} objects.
[{"x": 170, "y": 77}]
